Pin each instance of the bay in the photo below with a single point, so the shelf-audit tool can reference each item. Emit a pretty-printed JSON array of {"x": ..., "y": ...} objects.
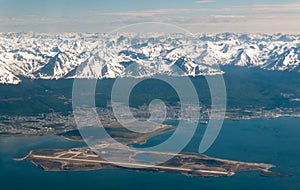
[{"x": 275, "y": 141}]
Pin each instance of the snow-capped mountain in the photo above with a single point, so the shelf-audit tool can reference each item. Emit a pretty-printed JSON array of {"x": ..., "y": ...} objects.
[{"x": 85, "y": 55}]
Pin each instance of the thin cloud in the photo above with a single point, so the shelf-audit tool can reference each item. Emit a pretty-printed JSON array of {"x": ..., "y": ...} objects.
[
  {"x": 229, "y": 16},
  {"x": 278, "y": 7},
  {"x": 234, "y": 10},
  {"x": 144, "y": 13},
  {"x": 205, "y": 1}
]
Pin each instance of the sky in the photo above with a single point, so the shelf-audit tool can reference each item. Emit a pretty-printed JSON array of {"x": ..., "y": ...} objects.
[{"x": 196, "y": 16}]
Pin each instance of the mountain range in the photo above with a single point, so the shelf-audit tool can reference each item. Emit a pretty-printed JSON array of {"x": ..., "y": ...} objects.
[{"x": 90, "y": 55}]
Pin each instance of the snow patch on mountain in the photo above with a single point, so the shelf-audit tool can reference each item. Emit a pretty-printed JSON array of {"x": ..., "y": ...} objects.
[{"x": 87, "y": 55}]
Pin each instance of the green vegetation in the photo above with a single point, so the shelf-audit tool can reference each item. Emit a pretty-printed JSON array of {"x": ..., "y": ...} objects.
[{"x": 246, "y": 88}]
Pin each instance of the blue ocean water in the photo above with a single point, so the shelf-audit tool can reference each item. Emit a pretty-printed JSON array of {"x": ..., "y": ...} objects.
[{"x": 275, "y": 141}]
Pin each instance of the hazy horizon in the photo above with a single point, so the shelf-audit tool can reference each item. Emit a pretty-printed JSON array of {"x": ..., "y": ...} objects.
[{"x": 196, "y": 16}]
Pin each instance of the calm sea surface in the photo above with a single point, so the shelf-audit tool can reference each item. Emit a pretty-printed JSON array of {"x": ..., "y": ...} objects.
[{"x": 275, "y": 141}]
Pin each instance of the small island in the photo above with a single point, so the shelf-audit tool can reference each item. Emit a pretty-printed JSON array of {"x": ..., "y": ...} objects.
[{"x": 196, "y": 165}]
